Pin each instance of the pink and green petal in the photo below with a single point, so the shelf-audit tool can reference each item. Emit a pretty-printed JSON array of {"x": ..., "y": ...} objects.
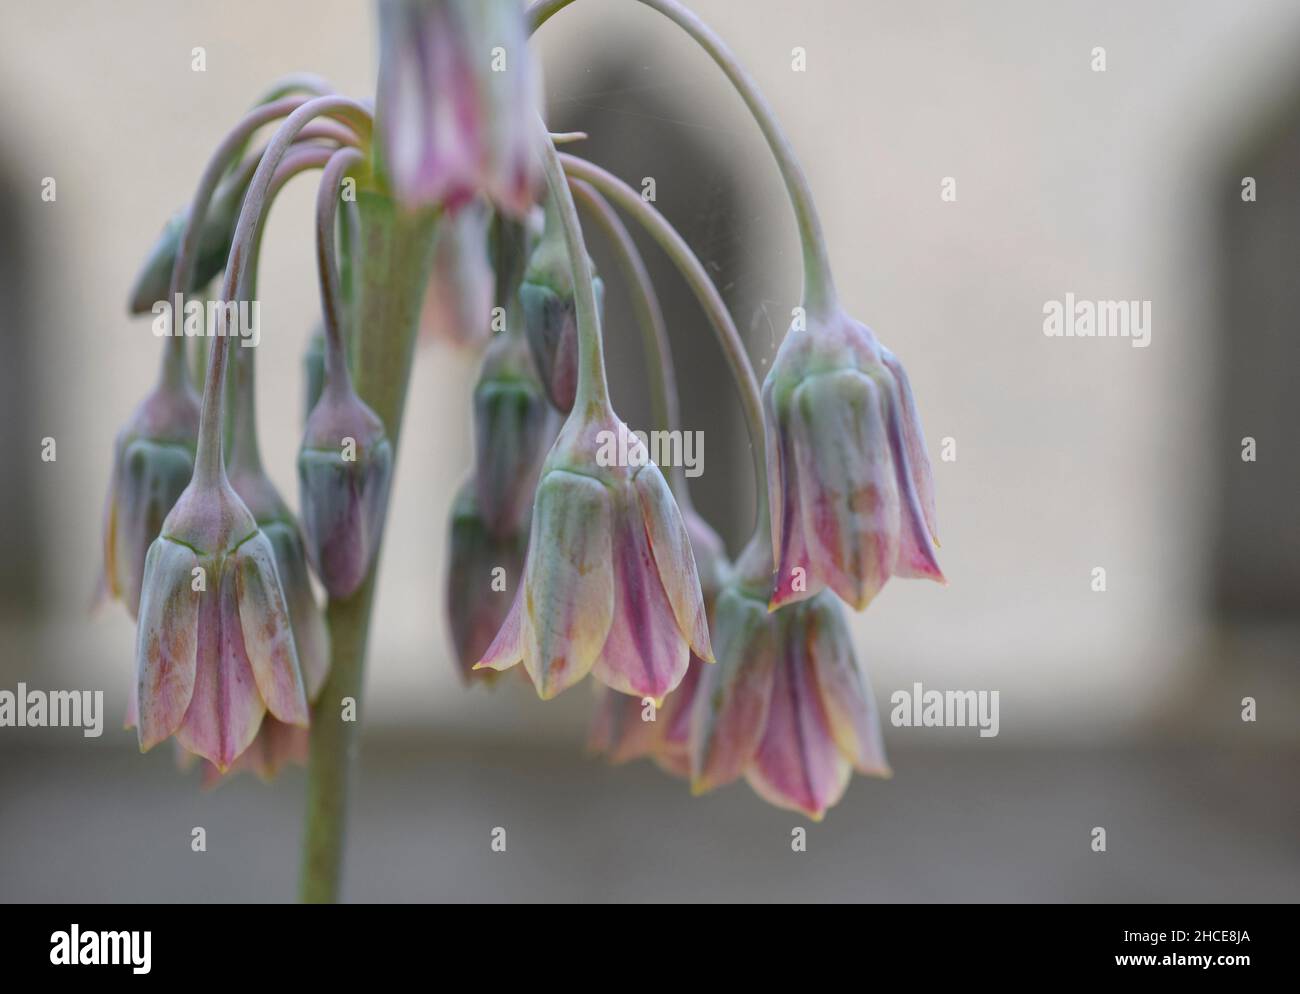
[
  {"x": 266, "y": 635},
  {"x": 167, "y": 642}
]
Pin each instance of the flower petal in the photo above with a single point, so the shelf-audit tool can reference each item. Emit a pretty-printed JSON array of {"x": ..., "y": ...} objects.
[
  {"x": 267, "y": 636},
  {"x": 166, "y": 641},
  {"x": 569, "y": 581},
  {"x": 674, "y": 560},
  {"x": 845, "y": 691}
]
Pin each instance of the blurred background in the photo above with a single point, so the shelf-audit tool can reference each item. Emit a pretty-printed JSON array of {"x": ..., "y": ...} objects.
[{"x": 1120, "y": 709}]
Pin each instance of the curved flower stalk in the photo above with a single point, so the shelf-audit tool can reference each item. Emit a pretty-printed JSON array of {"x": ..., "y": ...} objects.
[
  {"x": 610, "y": 584},
  {"x": 215, "y": 650},
  {"x": 458, "y": 93},
  {"x": 345, "y": 463}
]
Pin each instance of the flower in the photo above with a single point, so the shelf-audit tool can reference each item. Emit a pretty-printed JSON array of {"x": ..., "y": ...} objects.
[
  {"x": 622, "y": 727},
  {"x": 458, "y": 298},
  {"x": 513, "y": 428},
  {"x": 850, "y": 490},
  {"x": 457, "y": 102},
  {"x": 787, "y": 706},
  {"x": 153, "y": 461},
  {"x": 479, "y": 597},
  {"x": 610, "y": 582},
  {"x": 345, "y": 467},
  {"x": 550, "y": 314},
  {"x": 214, "y": 647}
]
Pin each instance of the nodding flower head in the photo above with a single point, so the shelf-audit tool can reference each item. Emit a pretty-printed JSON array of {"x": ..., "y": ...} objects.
[
  {"x": 458, "y": 298},
  {"x": 625, "y": 727},
  {"x": 485, "y": 569},
  {"x": 214, "y": 649},
  {"x": 850, "y": 489},
  {"x": 610, "y": 583},
  {"x": 153, "y": 460},
  {"x": 787, "y": 706},
  {"x": 458, "y": 97},
  {"x": 345, "y": 467},
  {"x": 550, "y": 315},
  {"x": 514, "y": 426}
]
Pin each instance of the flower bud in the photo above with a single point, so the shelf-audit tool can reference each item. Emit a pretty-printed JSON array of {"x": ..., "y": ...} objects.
[
  {"x": 153, "y": 460},
  {"x": 153, "y": 282},
  {"x": 214, "y": 649},
  {"x": 550, "y": 318},
  {"x": 484, "y": 571},
  {"x": 851, "y": 495},
  {"x": 610, "y": 584},
  {"x": 345, "y": 467},
  {"x": 457, "y": 102},
  {"x": 458, "y": 297},
  {"x": 513, "y": 428}
]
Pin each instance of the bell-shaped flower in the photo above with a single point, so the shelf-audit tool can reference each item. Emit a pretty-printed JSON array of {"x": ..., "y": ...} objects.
[
  {"x": 850, "y": 488},
  {"x": 483, "y": 573},
  {"x": 787, "y": 705},
  {"x": 550, "y": 314},
  {"x": 625, "y": 727},
  {"x": 458, "y": 297},
  {"x": 514, "y": 426},
  {"x": 345, "y": 467},
  {"x": 457, "y": 101},
  {"x": 153, "y": 461},
  {"x": 610, "y": 583},
  {"x": 214, "y": 648}
]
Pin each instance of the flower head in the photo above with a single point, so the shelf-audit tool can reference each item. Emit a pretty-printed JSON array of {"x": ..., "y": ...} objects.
[
  {"x": 610, "y": 582},
  {"x": 485, "y": 569},
  {"x": 514, "y": 426},
  {"x": 153, "y": 460},
  {"x": 787, "y": 706},
  {"x": 850, "y": 490},
  {"x": 458, "y": 96},
  {"x": 214, "y": 648},
  {"x": 345, "y": 467}
]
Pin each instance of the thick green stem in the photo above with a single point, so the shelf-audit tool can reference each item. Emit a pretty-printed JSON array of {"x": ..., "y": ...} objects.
[
  {"x": 697, "y": 278},
  {"x": 818, "y": 287},
  {"x": 593, "y": 388},
  {"x": 395, "y": 252}
]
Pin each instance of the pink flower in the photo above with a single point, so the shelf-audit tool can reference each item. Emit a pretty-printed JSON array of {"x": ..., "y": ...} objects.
[
  {"x": 850, "y": 489},
  {"x": 610, "y": 584}
]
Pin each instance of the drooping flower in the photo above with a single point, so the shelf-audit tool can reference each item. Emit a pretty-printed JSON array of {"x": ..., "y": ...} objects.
[
  {"x": 345, "y": 467},
  {"x": 457, "y": 307},
  {"x": 610, "y": 583},
  {"x": 550, "y": 313},
  {"x": 153, "y": 460},
  {"x": 850, "y": 488},
  {"x": 458, "y": 97},
  {"x": 787, "y": 706},
  {"x": 214, "y": 647},
  {"x": 624, "y": 727},
  {"x": 485, "y": 569}
]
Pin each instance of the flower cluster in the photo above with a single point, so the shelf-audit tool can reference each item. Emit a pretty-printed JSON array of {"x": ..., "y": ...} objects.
[{"x": 559, "y": 561}]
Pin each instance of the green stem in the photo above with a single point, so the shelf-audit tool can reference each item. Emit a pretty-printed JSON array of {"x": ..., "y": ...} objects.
[
  {"x": 818, "y": 287},
  {"x": 593, "y": 389},
  {"x": 331, "y": 297},
  {"x": 395, "y": 252},
  {"x": 697, "y": 278}
]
